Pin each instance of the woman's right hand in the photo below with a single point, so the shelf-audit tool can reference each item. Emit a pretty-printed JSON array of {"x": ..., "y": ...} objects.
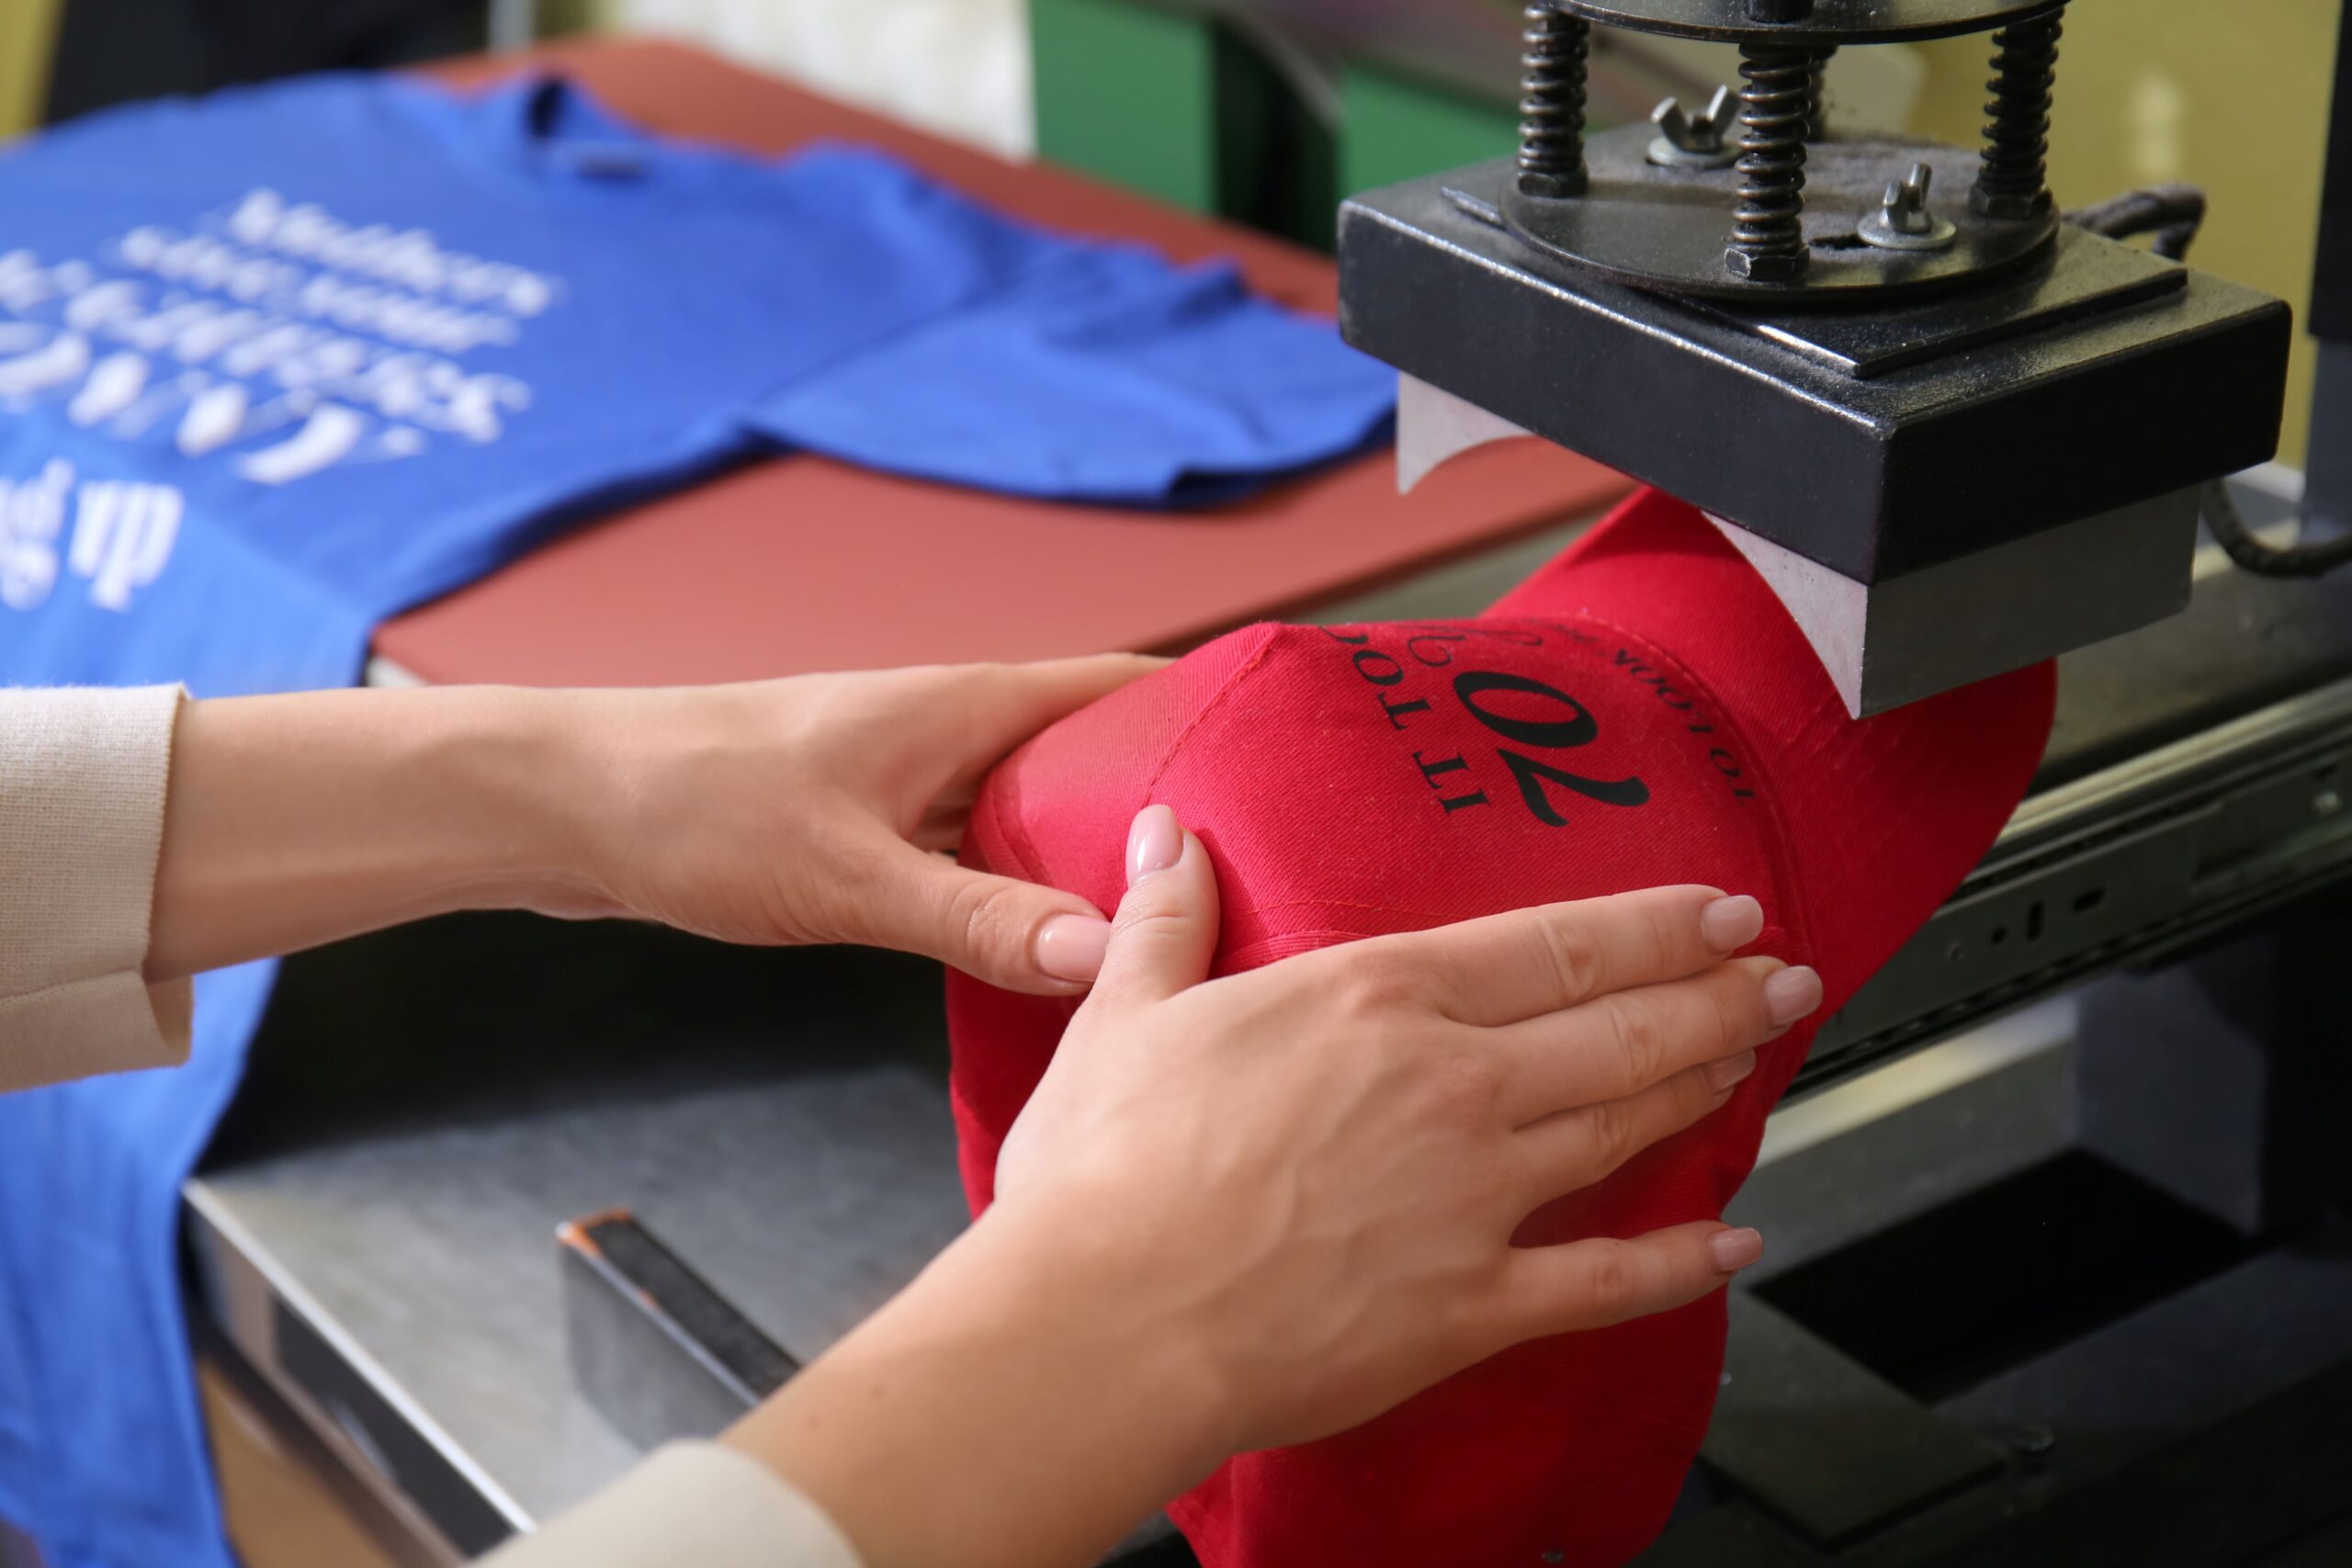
[
  {"x": 1259, "y": 1209},
  {"x": 1317, "y": 1165}
]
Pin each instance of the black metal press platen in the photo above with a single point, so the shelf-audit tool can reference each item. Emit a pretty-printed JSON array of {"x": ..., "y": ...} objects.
[{"x": 1958, "y": 431}]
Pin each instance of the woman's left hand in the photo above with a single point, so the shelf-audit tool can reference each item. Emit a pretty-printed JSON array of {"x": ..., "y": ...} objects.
[
  {"x": 818, "y": 809},
  {"x": 813, "y": 809}
]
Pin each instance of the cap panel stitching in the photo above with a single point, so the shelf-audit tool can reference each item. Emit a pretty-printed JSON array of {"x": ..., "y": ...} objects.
[{"x": 1274, "y": 634}]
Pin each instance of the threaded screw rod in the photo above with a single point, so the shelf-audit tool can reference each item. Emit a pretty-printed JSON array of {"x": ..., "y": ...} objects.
[
  {"x": 2013, "y": 180},
  {"x": 1776, "y": 107},
  {"x": 1551, "y": 105}
]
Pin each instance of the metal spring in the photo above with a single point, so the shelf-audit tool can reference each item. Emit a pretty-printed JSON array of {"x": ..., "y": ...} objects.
[
  {"x": 1551, "y": 108},
  {"x": 2015, "y": 174},
  {"x": 1775, "y": 109},
  {"x": 1816, "y": 124}
]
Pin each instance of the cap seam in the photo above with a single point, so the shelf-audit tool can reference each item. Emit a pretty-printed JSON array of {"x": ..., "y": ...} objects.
[
  {"x": 1011, "y": 823},
  {"x": 1349, "y": 904},
  {"x": 1240, "y": 957},
  {"x": 1232, "y": 684},
  {"x": 992, "y": 819}
]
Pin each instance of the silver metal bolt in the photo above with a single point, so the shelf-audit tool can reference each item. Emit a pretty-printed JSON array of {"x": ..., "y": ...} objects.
[
  {"x": 1764, "y": 269},
  {"x": 1902, "y": 222},
  {"x": 1694, "y": 142},
  {"x": 2327, "y": 803}
]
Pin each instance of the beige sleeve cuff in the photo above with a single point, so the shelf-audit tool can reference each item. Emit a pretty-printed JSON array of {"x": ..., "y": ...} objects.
[
  {"x": 687, "y": 1503},
  {"x": 82, "y": 775}
]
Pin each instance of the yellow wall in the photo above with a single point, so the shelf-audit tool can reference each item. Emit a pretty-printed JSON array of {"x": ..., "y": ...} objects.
[
  {"x": 27, "y": 34},
  {"x": 2230, "y": 96}
]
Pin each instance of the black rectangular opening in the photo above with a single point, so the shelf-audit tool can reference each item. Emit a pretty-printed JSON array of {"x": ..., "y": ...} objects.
[{"x": 1992, "y": 1280}]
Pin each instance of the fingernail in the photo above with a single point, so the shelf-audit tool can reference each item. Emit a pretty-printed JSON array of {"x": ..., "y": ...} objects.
[
  {"x": 1154, "y": 843},
  {"x": 1735, "y": 1249},
  {"x": 1729, "y": 924},
  {"x": 1722, "y": 1075},
  {"x": 1070, "y": 947},
  {"x": 1792, "y": 994}
]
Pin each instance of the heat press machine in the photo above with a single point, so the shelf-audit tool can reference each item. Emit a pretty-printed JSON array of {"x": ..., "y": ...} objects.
[
  {"x": 2078, "y": 1302},
  {"x": 1931, "y": 413}
]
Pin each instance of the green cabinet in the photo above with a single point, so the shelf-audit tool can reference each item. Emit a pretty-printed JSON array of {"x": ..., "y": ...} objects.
[{"x": 1178, "y": 104}]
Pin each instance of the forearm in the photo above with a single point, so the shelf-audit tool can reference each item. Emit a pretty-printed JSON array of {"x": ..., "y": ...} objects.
[
  {"x": 295, "y": 820},
  {"x": 1024, "y": 1404}
]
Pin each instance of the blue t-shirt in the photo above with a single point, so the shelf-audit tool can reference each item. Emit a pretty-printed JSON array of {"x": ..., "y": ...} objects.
[{"x": 283, "y": 362}]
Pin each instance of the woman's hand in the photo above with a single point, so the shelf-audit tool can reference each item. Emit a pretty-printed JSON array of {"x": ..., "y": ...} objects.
[
  {"x": 816, "y": 809},
  {"x": 1329, "y": 1156},
  {"x": 1259, "y": 1210},
  {"x": 803, "y": 810}
]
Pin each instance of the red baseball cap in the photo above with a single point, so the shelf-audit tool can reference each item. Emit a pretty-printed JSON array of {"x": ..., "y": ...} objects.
[{"x": 1640, "y": 712}]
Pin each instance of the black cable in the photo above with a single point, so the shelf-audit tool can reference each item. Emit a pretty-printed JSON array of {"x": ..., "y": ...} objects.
[
  {"x": 2172, "y": 213},
  {"x": 2267, "y": 560}
]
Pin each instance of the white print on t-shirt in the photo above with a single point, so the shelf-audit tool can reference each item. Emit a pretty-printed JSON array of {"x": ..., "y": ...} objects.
[
  {"x": 273, "y": 336},
  {"x": 123, "y": 534}
]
